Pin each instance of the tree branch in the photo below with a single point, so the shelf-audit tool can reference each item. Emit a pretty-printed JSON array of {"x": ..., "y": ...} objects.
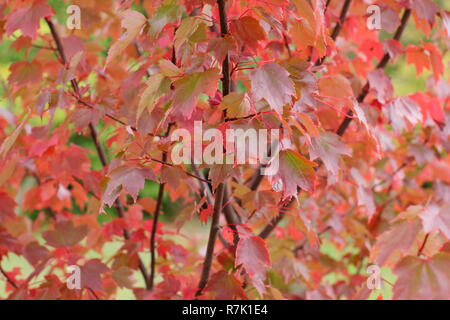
[
  {"x": 98, "y": 146},
  {"x": 211, "y": 240},
  {"x": 222, "y": 186},
  {"x": 155, "y": 223},
  {"x": 338, "y": 26},
  {"x": 257, "y": 178},
  {"x": 383, "y": 62}
]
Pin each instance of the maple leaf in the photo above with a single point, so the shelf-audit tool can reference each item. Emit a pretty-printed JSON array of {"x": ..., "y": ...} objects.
[
  {"x": 188, "y": 89},
  {"x": 364, "y": 192},
  {"x": 225, "y": 286},
  {"x": 65, "y": 234},
  {"x": 9, "y": 242},
  {"x": 337, "y": 90},
  {"x": 7, "y": 205},
  {"x": 156, "y": 86},
  {"x": 168, "y": 12},
  {"x": 252, "y": 253},
  {"x": 389, "y": 19},
  {"x": 328, "y": 147},
  {"x": 131, "y": 179},
  {"x": 228, "y": 234},
  {"x": 294, "y": 171},
  {"x": 206, "y": 213},
  {"x": 423, "y": 279},
  {"x": 381, "y": 84},
  {"x": 124, "y": 277},
  {"x": 425, "y": 9},
  {"x": 402, "y": 112},
  {"x": 418, "y": 57},
  {"x": 236, "y": 104},
  {"x": 429, "y": 106},
  {"x": 35, "y": 253},
  {"x": 272, "y": 83},
  {"x": 218, "y": 173},
  {"x": 25, "y": 73},
  {"x": 27, "y": 19},
  {"x": 91, "y": 273},
  {"x": 396, "y": 242},
  {"x": 133, "y": 22},
  {"x": 247, "y": 30},
  {"x": 446, "y": 20},
  {"x": 436, "y": 218},
  {"x": 435, "y": 60}
]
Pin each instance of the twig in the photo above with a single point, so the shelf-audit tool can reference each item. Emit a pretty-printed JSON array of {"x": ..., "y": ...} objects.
[
  {"x": 93, "y": 293},
  {"x": 345, "y": 123},
  {"x": 155, "y": 223},
  {"x": 90, "y": 106},
  {"x": 221, "y": 188},
  {"x": 211, "y": 240},
  {"x": 338, "y": 26},
  {"x": 257, "y": 178}
]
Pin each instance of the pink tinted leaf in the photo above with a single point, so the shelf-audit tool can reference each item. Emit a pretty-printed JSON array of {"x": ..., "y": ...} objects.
[{"x": 272, "y": 83}]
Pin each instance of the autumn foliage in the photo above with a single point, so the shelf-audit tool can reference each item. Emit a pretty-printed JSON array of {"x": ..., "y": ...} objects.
[{"x": 88, "y": 179}]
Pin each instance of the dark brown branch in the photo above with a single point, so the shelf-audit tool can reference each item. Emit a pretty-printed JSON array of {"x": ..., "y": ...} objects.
[
  {"x": 342, "y": 16},
  {"x": 302, "y": 245},
  {"x": 338, "y": 26},
  {"x": 154, "y": 229},
  {"x": 222, "y": 187},
  {"x": 383, "y": 62},
  {"x": 90, "y": 106},
  {"x": 98, "y": 146},
  {"x": 186, "y": 172},
  {"x": 275, "y": 221},
  {"x": 155, "y": 223},
  {"x": 225, "y": 63},
  {"x": 211, "y": 240},
  {"x": 257, "y": 178}
]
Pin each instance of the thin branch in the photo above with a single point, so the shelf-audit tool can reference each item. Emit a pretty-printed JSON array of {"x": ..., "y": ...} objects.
[
  {"x": 383, "y": 62},
  {"x": 302, "y": 245},
  {"x": 342, "y": 16},
  {"x": 257, "y": 177},
  {"x": 211, "y": 240},
  {"x": 222, "y": 187},
  {"x": 338, "y": 26},
  {"x": 93, "y": 293},
  {"x": 98, "y": 146},
  {"x": 275, "y": 221},
  {"x": 186, "y": 172},
  {"x": 155, "y": 223},
  {"x": 87, "y": 104}
]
